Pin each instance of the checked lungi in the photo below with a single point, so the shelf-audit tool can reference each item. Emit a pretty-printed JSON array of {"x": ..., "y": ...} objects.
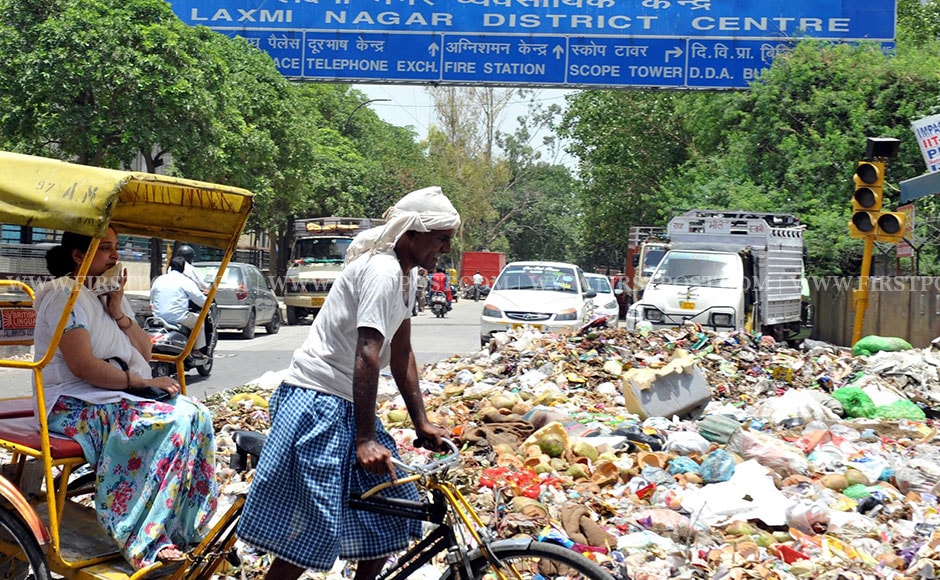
[{"x": 297, "y": 507}]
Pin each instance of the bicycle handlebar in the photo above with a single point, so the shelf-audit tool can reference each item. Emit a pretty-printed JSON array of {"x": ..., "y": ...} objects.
[{"x": 449, "y": 460}]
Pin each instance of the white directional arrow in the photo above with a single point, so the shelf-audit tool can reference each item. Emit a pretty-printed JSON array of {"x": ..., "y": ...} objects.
[
  {"x": 559, "y": 51},
  {"x": 433, "y": 48},
  {"x": 676, "y": 52}
]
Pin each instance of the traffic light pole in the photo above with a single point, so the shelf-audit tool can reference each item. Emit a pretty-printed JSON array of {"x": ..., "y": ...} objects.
[{"x": 861, "y": 295}]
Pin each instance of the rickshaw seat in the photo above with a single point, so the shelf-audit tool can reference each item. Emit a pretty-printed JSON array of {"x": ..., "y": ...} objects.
[
  {"x": 19, "y": 407},
  {"x": 25, "y": 431}
]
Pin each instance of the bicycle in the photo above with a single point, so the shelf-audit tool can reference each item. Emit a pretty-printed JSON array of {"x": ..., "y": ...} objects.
[{"x": 477, "y": 552}]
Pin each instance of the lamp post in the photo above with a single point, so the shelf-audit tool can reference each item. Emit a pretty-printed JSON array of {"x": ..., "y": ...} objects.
[{"x": 353, "y": 112}]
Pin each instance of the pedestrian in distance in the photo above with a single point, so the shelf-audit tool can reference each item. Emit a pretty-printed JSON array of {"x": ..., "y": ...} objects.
[
  {"x": 326, "y": 441},
  {"x": 422, "y": 298},
  {"x": 477, "y": 285}
]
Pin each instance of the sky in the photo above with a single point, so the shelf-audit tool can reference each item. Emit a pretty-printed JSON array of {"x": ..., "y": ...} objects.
[{"x": 410, "y": 105}]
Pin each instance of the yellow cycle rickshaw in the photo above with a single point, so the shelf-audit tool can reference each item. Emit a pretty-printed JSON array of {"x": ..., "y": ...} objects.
[{"x": 41, "y": 530}]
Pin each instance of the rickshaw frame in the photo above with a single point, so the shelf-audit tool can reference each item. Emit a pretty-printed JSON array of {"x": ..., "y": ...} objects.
[{"x": 42, "y": 192}]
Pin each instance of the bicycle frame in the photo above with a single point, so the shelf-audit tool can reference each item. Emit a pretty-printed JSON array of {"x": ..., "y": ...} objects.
[{"x": 445, "y": 497}]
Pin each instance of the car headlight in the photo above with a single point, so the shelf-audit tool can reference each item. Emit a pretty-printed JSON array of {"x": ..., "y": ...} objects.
[
  {"x": 653, "y": 315},
  {"x": 492, "y": 311},
  {"x": 721, "y": 319},
  {"x": 611, "y": 304},
  {"x": 570, "y": 314}
]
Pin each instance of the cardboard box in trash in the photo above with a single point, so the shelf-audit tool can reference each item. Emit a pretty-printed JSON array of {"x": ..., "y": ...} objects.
[{"x": 678, "y": 389}]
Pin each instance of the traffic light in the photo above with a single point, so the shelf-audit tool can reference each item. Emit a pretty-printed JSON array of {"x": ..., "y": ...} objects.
[
  {"x": 891, "y": 227},
  {"x": 866, "y": 201},
  {"x": 867, "y": 217}
]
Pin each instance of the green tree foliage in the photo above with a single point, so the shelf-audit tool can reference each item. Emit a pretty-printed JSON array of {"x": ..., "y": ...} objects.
[
  {"x": 96, "y": 81},
  {"x": 788, "y": 144},
  {"x": 627, "y": 142}
]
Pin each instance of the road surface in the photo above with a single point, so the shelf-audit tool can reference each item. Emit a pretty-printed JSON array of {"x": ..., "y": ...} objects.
[{"x": 241, "y": 361}]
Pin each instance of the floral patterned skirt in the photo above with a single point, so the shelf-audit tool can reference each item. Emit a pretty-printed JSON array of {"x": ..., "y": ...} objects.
[{"x": 155, "y": 469}]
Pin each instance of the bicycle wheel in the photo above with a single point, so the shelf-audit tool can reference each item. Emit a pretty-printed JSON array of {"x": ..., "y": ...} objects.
[
  {"x": 21, "y": 556},
  {"x": 527, "y": 559}
]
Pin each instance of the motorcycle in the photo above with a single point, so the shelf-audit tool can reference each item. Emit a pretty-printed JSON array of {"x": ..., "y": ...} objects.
[
  {"x": 170, "y": 339},
  {"x": 439, "y": 304}
]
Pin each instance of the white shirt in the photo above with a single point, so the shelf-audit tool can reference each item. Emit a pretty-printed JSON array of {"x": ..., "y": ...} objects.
[
  {"x": 478, "y": 279},
  {"x": 170, "y": 295},
  {"x": 369, "y": 293}
]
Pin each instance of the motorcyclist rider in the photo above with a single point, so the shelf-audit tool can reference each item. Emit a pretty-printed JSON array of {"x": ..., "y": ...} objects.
[
  {"x": 170, "y": 296},
  {"x": 440, "y": 283},
  {"x": 189, "y": 254}
]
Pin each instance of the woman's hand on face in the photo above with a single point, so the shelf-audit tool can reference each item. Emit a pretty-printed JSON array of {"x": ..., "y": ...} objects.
[
  {"x": 116, "y": 297},
  {"x": 164, "y": 384}
]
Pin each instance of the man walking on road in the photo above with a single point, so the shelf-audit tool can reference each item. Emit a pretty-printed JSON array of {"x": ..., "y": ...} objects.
[
  {"x": 477, "y": 285},
  {"x": 326, "y": 441},
  {"x": 422, "y": 298}
]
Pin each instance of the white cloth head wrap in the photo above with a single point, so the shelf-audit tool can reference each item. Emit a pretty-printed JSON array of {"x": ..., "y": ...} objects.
[{"x": 423, "y": 210}]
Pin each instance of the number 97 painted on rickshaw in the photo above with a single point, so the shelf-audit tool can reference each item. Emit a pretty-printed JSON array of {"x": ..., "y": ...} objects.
[{"x": 43, "y": 530}]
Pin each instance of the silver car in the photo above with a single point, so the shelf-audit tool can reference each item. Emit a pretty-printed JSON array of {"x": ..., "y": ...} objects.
[{"x": 245, "y": 298}]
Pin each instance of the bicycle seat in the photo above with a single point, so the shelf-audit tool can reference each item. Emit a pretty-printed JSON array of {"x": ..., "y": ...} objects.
[{"x": 248, "y": 444}]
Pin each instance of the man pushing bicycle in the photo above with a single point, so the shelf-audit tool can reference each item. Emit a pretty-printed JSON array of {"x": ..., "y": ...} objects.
[{"x": 326, "y": 441}]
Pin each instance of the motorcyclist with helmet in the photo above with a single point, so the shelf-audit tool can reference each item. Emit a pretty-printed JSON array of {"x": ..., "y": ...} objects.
[{"x": 188, "y": 254}]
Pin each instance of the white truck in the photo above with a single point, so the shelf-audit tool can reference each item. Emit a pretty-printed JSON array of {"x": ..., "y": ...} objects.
[
  {"x": 728, "y": 270},
  {"x": 316, "y": 261}
]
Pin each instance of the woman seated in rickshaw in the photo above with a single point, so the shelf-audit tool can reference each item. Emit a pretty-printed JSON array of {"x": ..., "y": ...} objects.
[{"x": 154, "y": 461}]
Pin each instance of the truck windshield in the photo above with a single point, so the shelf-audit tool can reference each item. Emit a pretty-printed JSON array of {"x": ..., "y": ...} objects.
[
  {"x": 699, "y": 269},
  {"x": 651, "y": 259},
  {"x": 546, "y": 278},
  {"x": 320, "y": 250}
]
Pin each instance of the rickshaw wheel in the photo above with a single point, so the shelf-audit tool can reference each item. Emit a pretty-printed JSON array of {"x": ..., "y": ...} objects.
[{"x": 21, "y": 556}]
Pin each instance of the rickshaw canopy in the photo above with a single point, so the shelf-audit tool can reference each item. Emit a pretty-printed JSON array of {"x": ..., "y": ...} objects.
[{"x": 48, "y": 193}]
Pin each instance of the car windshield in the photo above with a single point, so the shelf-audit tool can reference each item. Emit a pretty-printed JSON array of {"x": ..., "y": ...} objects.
[
  {"x": 699, "y": 269},
  {"x": 320, "y": 250},
  {"x": 599, "y": 284},
  {"x": 548, "y": 278}
]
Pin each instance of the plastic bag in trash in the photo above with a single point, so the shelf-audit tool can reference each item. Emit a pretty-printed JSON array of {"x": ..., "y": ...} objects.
[
  {"x": 871, "y": 344},
  {"x": 717, "y": 466},
  {"x": 855, "y": 401},
  {"x": 808, "y": 517},
  {"x": 784, "y": 458},
  {"x": 901, "y": 409}
]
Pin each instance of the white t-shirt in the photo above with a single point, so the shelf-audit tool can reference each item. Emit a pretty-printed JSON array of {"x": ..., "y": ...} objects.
[{"x": 369, "y": 293}]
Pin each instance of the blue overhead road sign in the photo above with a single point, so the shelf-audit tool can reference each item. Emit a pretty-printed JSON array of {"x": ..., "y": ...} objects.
[{"x": 564, "y": 43}]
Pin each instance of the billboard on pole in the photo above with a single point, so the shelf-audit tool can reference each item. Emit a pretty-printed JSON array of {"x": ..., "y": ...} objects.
[{"x": 707, "y": 44}]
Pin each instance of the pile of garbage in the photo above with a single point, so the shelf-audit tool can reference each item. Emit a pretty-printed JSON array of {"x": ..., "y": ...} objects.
[{"x": 684, "y": 453}]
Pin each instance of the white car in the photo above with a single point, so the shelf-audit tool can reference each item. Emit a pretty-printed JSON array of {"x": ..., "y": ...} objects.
[
  {"x": 605, "y": 303},
  {"x": 546, "y": 296}
]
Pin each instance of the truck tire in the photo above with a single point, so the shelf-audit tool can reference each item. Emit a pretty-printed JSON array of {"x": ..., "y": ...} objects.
[{"x": 291, "y": 316}]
